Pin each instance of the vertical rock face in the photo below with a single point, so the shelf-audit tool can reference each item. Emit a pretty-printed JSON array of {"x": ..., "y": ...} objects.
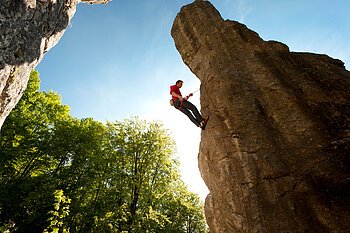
[
  {"x": 275, "y": 153},
  {"x": 28, "y": 29}
]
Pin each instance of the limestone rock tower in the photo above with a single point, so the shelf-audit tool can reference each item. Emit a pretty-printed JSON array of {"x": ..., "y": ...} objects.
[{"x": 275, "y": 154}]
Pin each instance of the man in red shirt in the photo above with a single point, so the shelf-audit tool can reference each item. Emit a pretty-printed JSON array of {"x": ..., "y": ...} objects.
[{"x": 186, "y": 106}]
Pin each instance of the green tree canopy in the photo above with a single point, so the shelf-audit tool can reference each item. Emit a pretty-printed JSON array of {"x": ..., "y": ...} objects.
[{"x": 62, "y": 174}]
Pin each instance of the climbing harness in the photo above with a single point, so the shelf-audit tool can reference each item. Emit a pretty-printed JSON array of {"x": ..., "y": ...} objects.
[
  {"x": 186, "y": 97},
  {"x": 180, "y": 106}
]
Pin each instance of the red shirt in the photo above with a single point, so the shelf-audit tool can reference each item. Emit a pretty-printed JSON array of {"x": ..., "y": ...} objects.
[{"x": 175, "y": 89}]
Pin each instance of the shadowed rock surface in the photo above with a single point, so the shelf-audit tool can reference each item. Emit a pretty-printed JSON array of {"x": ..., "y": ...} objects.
[
  {"x": 275, "y": 154},
  {"x": 28, "y": 29}
]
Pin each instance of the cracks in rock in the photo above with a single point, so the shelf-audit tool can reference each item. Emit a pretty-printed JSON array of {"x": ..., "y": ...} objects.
[
  {"x": 249, "y": 184},
  {"x": 275, "y": 176}
]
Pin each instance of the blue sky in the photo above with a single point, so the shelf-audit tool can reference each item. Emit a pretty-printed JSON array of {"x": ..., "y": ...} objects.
[{"x": 118, "y": 60}]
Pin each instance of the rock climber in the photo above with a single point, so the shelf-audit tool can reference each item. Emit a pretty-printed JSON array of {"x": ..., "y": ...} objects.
[{"x": 185, "y": 106}]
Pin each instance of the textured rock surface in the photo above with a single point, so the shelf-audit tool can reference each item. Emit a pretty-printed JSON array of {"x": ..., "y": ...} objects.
[
  {"x": 28, "y": 29},
  {"x": 275, "y": 153}
]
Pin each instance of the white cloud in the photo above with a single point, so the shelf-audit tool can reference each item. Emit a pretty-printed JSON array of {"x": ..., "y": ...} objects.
[
  {"x": 235, "y": 9},
  {"x": 244, "y": 9}
]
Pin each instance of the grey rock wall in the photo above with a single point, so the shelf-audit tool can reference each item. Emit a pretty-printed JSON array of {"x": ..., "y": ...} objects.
[{"x": 28, "y": 29}]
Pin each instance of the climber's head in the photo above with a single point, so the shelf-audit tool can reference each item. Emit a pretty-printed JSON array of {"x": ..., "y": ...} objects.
[{"x": 179, "y": 83}]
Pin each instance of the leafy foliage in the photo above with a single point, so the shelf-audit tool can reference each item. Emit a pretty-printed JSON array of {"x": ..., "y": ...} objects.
[
  {"x": 61, "y": 174},
  {"x": 60, "y": 211}
]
